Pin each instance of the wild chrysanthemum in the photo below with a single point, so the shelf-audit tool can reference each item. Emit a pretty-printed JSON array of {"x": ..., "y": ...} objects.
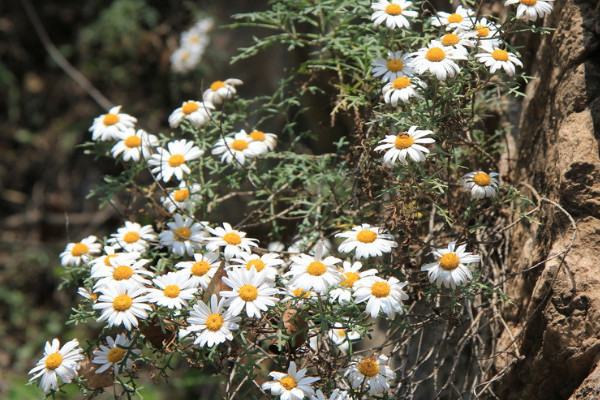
[
  {"x": 351, "y": 274},
  {"x": 184, "y": 59},
  {"x": 134, "y": 145},
  {"x": 212, "y": 324},
  {"x": 132, "y": 237},
  {"x": 381, "y": 295},
  {"x": 234, "y": 241},
  {"x": 496, "y": 59},
  {"x": 396, "y": 65},
  {"x": 183, "y": 236},
  {"x": 342, "y": 336},
  {"x": 77, "y": 253},
  {"x": 266, "y": 264},
  {"x": 197, "y": 36},
  {"x": 402, "y": 88},
  {"x": 174, "y": 159},
  {"x": 182, "y": 199},
  {"x": 531, "y": 9},
  {"x": 122, "y": 304},
  {"x": 480, "y": 184},
  {"x": 57, "y": 363},
  {"x": 202, "y": 269},
  {"x": 266, "y": 141},
  {"x": 393, "y": 13},
  {"x": 117, "y": 354},
  {"x": 458, "y": 40},
  {"x": 337, "y": 394},
  {"x": 250, "y": 290},
  {"x": 399, "y": 147},
  {"x": 110, "y": 253},
  {"x": 461, "y": 19},
  {"x": 107, "y": 126},
  {"x": 235, "y": 150},
  {"x": 366, "y": 241},
  {"x": 450, "y": 269},
  {"x": 122, "y": 269},
  {"x": 487, "y": 32},
  {"x": 197, "y": 112},
  {"x": 314, "y": 273},
  {"x": 174, "y": 289},
  {"x": 291, "y": 386},
  {"x": 219, "y": 91},
  {"x": 371, "y": 372},
  {"x": 438, "y": 59}
]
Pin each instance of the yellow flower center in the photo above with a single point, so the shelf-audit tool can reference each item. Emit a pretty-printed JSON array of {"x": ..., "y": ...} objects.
[
  {"x": 232, "y": 238},
  {"x": 239, "y": 145},
  {"x": 435, "y": 54},
  {"x": 107, "y": 259},
  {"x": 500, "y": 55},
  {"x": 401, "y": 83},
  {"x": 122, "y": 302},
  {"x": 214, "y": 322},
  {"x": 380, "y": 289},
  {"x": 395, "y": 65},
  {"x": 450, "y": 39},
  {"x": 133, "y": 141},
  {"x": 449, "y": 261},
  {"x": 115, "y": 355},
  {"x": 351, "y": 278},
  {"x": 455, "y": 18},
  {"x": 79, "y": 249},
  {"x": 529, "y": 2},
  {"x": 482, "y": 179},
  {"x": 366, "y": 236},
  {"x": 257, "y": 263},
  {"x": 248, "y": 293},
  {"x": 216, "y": 85},
  {"x": 258, "y": 136},
  {"x": 171, "y": 291},
  {"x": 182, "y": 234},
  {"x": 189, "y": 107},
  {"x": 110, "y": 119},
  {"x": 176, "y": 160},
  {"x": 393, "y": 9},
  {"x": 181, "y": 195},
  {"x": 368, "y": 368},
  {"x": 300, "y": 293},
  {"x": 288, "y": 382},
  {"x": 131, "y": 237},
  {"x": 200, "y": 268},
  {"x": 483, "y": 31},
  {"x": 316, "y": 268},
  {"x": 53, "y": 361},
  {"x": 403, "y": 142},
  {"x": 122, "y": 272}
]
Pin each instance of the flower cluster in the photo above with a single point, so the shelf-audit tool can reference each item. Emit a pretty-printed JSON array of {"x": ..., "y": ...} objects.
[{"x": 193, "y": 44}]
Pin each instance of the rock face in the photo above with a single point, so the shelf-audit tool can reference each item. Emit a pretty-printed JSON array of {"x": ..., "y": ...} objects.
[{"x": 550, "y": 348}]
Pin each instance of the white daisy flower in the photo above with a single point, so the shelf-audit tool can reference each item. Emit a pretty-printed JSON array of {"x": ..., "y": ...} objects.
[
  {"x": 291, "y": 386},
  {"x": 266, "y": 264},
  {"x": 250, "y": 290},
  {"x": 201, "y": 270},
  {"x": 173, "y": 161},
  {"x": 450, "y": 269},
  {"x": 276, "y": 247},
  {"x": 182, "y": 199},
  {"x": 372, "y": 372},
  {"x": 314, "y": 273},
  {"x": 184, "y": 59},
  {"x": 103, "y": 262},
  {"x": 337, "y": 394},
  {"x": 438, "y": 59},
  {"x": 458, "y": 40},
  {"x": 296, "y": 295},
  {"x": 350, "y": 274},
  {"x": 122, "y": 304},
  {"x": 107, "y": 126},
  {"x": 123, "y": 268},
  {"x": 393, "y": 13},
  {"x": 496, "y": 59},
  {"x": 267, "y": 141},
  {"x": 531, "y": 9},
  {"x": 174, "y": 290},
  {"x": 183, "y": 236},
  {"x": 57, "y": 363},
  {"x": 487, "y": 32},
  {"x": 382, "y": 295},
  {"x": 299, "y": 244},
  {"x": 461, "y": 19},
  {"x": 197, "y": 36},
  {"x": 367, "y": 241},
  {"x": 341, "y": 336},
  {"x": 395, "y": 66},
  {"x": 480, "y": 184},
  {"x": 402, "y": 88},
  {"x": 87, "y": 294},
  {"x": 212, "y": 325},
  {"x": 117, "y": 354},
  {"x": 235, "y": 241},
  {"x": 134, "y": 145},
  {"x": 399, "y": 147},
  {"x": 196, "y": 112},
  {"x": 219, "y": 91},
  {"x": 237, "y": 148},
  {"x": 132, "y": 237},
  {"x": 77, "y": 253}
]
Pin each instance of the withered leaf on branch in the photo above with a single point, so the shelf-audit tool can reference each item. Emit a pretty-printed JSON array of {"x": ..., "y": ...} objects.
[
  {"x": 158, "y": 337},
  {"x": 294, "y": 326},
  {"x": 216, "y": 284},
  {"x": 87, "y": 369}
]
